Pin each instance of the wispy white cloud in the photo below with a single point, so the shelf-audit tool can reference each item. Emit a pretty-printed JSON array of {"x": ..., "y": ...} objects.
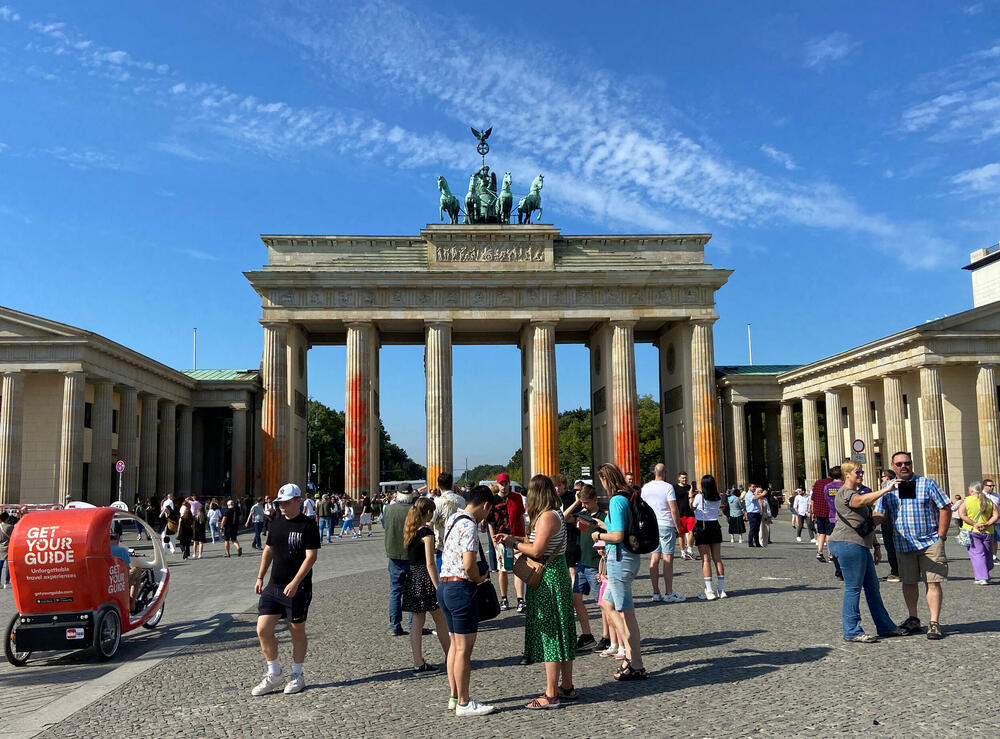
[
  {"x": 974, "y": 9},
  {"x": 8, "y": 14},
  {"x": 780, "y": 157},
  {"x": 179, "y": 150},
  {"x": 822, "y": 51},
  {"x": 964, "y": 100},
  {"x": 979, "y": 181},
  {"x": 3, "y": 147},
  {"x": 198, "y": 254},
  {"x": 85, "y": 158},
  {"x": 609, "y": 155}
]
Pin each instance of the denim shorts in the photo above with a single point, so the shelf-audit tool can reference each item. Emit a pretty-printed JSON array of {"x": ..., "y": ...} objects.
[
  {"x": 621, "y": 573},
  {"x": 585, "y": 582},
  {"x": 460, "y": 604},
  {"x": 668, "y": 541}
]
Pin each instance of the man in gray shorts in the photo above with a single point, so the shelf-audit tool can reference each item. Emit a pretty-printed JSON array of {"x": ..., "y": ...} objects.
[{"x": 921, "y": 514}]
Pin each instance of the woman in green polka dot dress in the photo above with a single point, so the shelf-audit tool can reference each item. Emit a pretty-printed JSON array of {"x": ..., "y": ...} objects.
[{"x": 550, "y": 625}]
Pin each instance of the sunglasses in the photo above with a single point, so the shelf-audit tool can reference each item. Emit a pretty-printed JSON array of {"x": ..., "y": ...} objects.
[{"x": 902, "y": 464}]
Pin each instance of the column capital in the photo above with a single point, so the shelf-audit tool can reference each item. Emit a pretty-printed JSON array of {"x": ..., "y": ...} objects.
[
  {"x": 544, "y": 323},
  {"x": 986, "y": 365},
  {"x": 75, "y": 374},
  {"x": 101, "y": 381},
  {"x": 622, "y": 322},
  {"x": 831, "y": 390},
  {"x": 789, "y": 401},
  {"x": 857, "y": 383},
  {"x": 239, "y": 406},
  {"x": 703, "y": 321},
  {"x": 275, "y": 325},
  {"x": 169, "y": 403},
  {"x": 434, "y": 323},
  {"x": 738, "y": 402},
  {"x": 359, "y": 324}
]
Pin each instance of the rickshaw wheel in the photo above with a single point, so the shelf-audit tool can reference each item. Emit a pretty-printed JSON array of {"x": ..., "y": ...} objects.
[
  {"x": 18, "y": 659},
  {"x": 153, "y": 621},
  {"x": 107, "y": 634}
]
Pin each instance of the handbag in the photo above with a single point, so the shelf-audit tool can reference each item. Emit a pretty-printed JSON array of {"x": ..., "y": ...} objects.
[
  {"x": 486, "y": 595},
  {"x": 965, "y": 535},
  {"x": 171, "y": 526},
  {"x": 530, "y": 570}
]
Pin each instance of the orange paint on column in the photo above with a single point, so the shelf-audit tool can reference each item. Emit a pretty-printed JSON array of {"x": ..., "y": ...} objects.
[{"x": 356, "y": 437}]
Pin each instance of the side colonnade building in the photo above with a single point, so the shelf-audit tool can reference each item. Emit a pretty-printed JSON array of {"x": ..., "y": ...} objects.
[{"x": 72, "y": 403}]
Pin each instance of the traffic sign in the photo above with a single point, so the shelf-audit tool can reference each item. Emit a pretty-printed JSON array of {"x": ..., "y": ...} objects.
[
  {"x": 119, "y": 466},
  {"x": 859, "y": 457},
  {"x": 858, "y": 446}
]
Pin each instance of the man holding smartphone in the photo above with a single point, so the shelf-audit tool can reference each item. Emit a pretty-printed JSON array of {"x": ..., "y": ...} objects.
[{"x": 921, "y": 514}]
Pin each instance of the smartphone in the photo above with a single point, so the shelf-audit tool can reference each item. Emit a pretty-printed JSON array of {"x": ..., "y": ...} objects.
[
  {"x": 585, "y": 517},
  {"x": 907, "y": 489}
]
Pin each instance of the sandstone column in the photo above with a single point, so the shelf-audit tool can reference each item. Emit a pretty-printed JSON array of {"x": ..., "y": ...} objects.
[
  {"x": 147, "y": 447},
  {"x": 101, "y": 468},
  {"x": 810, "y": 433},
  {"x": 71, "y": 438},
  {"x": 167, "y": 449},
  {"x": 740, "y": 443},
  {"x": 624, "y": 398},
  {"x": 834, "y": 429},
  {"x": 895, "y": 417},
  {"x": 239, "y": 449},
  {"x": 184, "y": 448},
  {"x": 274, "y": 410},
  {"x": 863, "y": 423},
  {"x": 706, "y": 427},
  {"x": 543, "y": 408},
  {"x": 986, "y": 404},
  {"x": 127, "y": 438},
  {"x": 772, "y": 438},
  {"x": 357, "y": 423},
  {"x": 932, "y": 426},
  {"x": 11, "y": 436},
  {"x": 438, "y": 373},
  {"x": 789, "y": 478},
  {"x": 375, "y": 421}
]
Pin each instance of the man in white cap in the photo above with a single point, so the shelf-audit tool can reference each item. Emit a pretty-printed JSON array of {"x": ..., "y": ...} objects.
[{"x": 292, "y": 546}]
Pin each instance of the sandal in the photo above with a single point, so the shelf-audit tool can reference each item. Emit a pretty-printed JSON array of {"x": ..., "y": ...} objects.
[
  {"x": 550, "y": 702},
  {"x": 627, "y": 672},
  {"x": 568, "y": 695}
]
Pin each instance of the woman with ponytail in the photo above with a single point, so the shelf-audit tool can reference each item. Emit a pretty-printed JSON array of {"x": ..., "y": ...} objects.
[
  {"x": 422, "y": 581},
  {"x": 978, "y": 515}
]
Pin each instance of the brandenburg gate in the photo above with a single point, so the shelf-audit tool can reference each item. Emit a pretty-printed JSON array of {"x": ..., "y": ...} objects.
[{"x": 492, "y": 283}]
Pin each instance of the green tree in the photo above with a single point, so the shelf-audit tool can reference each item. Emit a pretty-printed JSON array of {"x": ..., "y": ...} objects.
[{"x": 481, "y": 472}]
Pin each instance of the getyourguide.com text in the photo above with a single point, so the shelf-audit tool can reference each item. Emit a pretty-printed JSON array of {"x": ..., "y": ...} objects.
[{"x": 47, "y": 547}]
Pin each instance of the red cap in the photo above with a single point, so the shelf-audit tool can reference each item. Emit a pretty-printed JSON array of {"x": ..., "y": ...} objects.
[{"x": 503, "y": 477}]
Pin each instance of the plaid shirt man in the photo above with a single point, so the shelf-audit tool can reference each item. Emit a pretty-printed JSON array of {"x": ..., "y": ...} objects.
[{"x": 915, "y": 521}]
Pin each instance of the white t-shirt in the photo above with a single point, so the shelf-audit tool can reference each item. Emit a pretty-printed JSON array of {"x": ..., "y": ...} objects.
[
  {"x": 658, "y": 494},
  {"x": 801, "y": 504},
  {"x": 309, "y": 507},
  {"x": 705, "y": 510}
]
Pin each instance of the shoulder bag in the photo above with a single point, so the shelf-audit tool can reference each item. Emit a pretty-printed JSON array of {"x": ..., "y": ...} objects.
[
  {"x": 529, "y": 570},
  {"x": 867, "y": 524},
  {"x": 965, "y": 535},
  {"x": 486, "y": 594}
]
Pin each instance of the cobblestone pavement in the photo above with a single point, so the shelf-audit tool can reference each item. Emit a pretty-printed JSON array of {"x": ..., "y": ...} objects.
[
  {"x": 203, "y": 595},
  {"x": 769, "y": 660}
]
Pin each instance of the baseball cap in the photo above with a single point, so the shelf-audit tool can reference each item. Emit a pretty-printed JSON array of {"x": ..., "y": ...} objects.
[
  {"x": 287, "y": 492},
  {"x": 503, "y": 477}
]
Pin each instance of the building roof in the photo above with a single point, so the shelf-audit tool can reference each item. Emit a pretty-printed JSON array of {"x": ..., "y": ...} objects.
[
  {"x": 223, "y": 375},
  {"x": 752, "y": 369}
]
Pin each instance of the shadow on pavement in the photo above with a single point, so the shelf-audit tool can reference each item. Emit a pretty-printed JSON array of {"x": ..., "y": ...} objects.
[
  {"x": 973, "y": 627},
  {"x": 787, "y": 588}
]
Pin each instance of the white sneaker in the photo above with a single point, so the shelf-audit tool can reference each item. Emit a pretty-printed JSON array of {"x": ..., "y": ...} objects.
[
  {"x": 296, "y": 683},
  {"x": 268, "y": 685},
  {"x": 674, "y": 597},
  {"x": 611, "y": 651},
  {"x": 982, "y": 582},
  {"x": 798, "y": 538},
  {"x": 812, "y": 541},
  {"x": 473, "y": 708},
  {"x": 452, "y": 703},
  {"x": 657, "y": 598},
  {"x": 722, "y": 594},
  {"x": 620, "y": 654},
  {"x": 707, "y": 595}
]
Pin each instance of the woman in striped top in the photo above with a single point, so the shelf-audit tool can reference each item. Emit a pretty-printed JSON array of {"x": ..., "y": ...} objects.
[{"x": 550, "y": 625}]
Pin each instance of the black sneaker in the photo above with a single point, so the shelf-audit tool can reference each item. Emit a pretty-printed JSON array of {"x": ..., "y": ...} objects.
[
  {"x": 527, "y": 661},
  {"x": 934, "y": 630},
  {"x": 602, "y": 644},
  {"x": 585, "y": 643},
  {"x": 424, "y": 669},
  {"x": 821, "y": 558},
  {"x": 909, "y": 627},
  {"x": 521, "y": 606},
  {"x": 504, "y": 605}
]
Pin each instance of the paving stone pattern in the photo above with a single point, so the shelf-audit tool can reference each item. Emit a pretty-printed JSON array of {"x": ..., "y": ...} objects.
[{"x": 769, "y": 660}]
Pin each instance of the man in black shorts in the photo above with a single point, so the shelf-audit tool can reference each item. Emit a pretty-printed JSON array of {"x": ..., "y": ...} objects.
[
  {"x": 231, "y": 518},
  {"x": 292, "y": 546}
]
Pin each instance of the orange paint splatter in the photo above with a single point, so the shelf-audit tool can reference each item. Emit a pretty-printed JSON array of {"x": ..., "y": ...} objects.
[{"x": 356, "y": 438}]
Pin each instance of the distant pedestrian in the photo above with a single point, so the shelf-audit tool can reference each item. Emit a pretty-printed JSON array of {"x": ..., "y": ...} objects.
[
  {"x": 446, "y": 504},
  {"x": 200, "y": 522},
  {"x": 256, "y": 518},
  {"x": 921, "y": 514},
  {"x": 888, "y": 539},
  {"x": 324, "y": 514},
  {"x": 800, "y": 504},
  {"x": 737, "y": 514},
  {"x": 708, "y": 537},
  {"x": 290, "y": 553},
  {"x": 231, "y": 527},
  {"x": 6, "y": 529},
  {"x": 978, "y": 516},
  {"x": 215, "y": 521},
  {"x": 461, "y": 572},
  {"x": 366, "y": 516},
  {"x": 660, "y": 496},
  {"x": 989, "y": 490},
  {"x": 185, "y": 532},
  {"x": 753, "y": 506},
  {"x": 819, "y": 511},
  {"x": 348, "y": 520},
  {"x": 686, "y": 526},
  {"x": 422, "y": 582}
]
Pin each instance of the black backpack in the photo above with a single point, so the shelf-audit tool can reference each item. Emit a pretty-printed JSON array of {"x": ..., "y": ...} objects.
[{"x": 642, "y": 532}]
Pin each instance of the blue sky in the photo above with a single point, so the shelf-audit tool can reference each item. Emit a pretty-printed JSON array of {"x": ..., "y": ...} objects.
[{"x": 844, "y": 155}]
